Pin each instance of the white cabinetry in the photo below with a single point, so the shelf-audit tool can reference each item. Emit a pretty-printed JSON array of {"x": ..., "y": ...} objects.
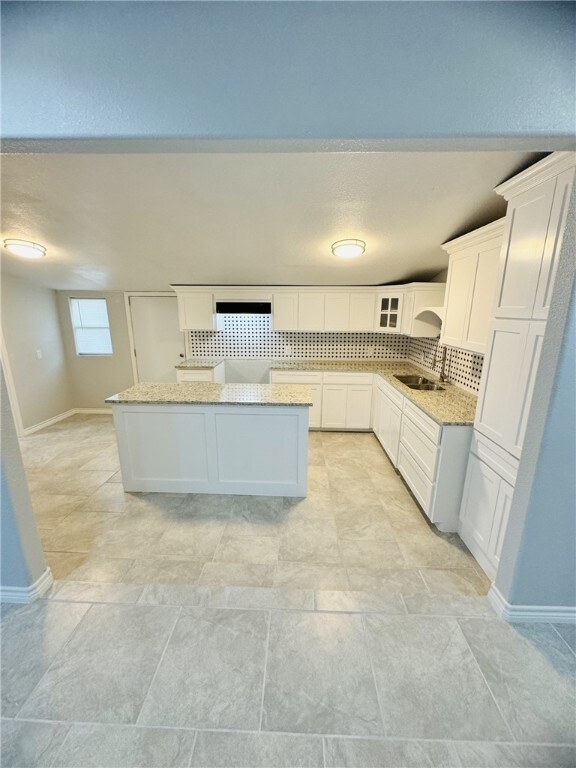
[
  {"x": 311, "y": 312},
  {"x": 486, "y": 500},
  {"x": 195, "y": 309},
  {"x": 418, "y": 297},
  {"x": 313, "y": 379},
  {"x": 361, "y": 312},
  {"x": 285, "y": 311},
  {"x": 471, "y": 287},
  {"x": 215, "y": 374},
  {"x": 337, "y": 312},
  {"x": 334, "y": 406},
  {"x": 389, "y": 311},
  {"x": 387, "y": 417}
]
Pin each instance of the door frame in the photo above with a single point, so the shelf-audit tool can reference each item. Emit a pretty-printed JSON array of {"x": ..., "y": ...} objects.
[{"x": 145, "y": 294}]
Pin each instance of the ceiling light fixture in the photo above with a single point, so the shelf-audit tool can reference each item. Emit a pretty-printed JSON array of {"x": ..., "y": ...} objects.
[
  {"x": 348, "y": 249},
  {"x": 25, "y": 248}
]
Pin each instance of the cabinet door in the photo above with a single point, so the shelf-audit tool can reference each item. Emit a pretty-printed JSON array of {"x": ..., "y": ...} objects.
[
  {"x": 481, "y": 304},
  {"x": 311, "y": 312},
  {"x": 362, "y": 311},
  {"x": 196, "y": 311},
  {"x": 377, "y": 415},
  {"x": 500, "y": 522},
  {"x": 359, "y": 406},
  {"x": 392, "y": 431},
  {"x": 315, "y": 415},
  {"x": 334, "y": 406},
  {"x": 285, "y": 312},
  {"x": 461, "y": 274},
  {"x": 389, "y": 312},
  {"x": 556, "y": 228},
  {"x": 497, "y": 410},
  {"x": 479, "y": 502},
  {"x": 407, "y": 313},
  {"x": 523, "y": 245},
  {"x": 336, "y": 311},
  {"x": 526, "y": 380}
]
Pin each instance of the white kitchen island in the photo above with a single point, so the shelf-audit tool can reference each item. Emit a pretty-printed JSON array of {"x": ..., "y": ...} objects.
[{"x": 213, "y": 438}]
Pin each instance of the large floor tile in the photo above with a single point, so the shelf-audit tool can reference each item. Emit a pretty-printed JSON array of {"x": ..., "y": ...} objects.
[
  {"x": 79, "y": 532},
  {"x": 318, "y": 676},
  {"x": 449, "y": 605},
  {"x": 51, "y": 509},
  {"x": 359, "y": 602},
  {"x": 30, "y": 745},
  {"x": 62, "y": 564},
  {"x": 455, "y": 581},
  {"x": 105, "y": 670},
  {"x": 378, "y": 553},
  {"x": 361, "y": 753},
  {"x": 184, "y": 594},
  {"x": 308, "y": 576},
  {"x": 163, "y": 572},
  {"x": 256, "y": 750},
  {"x": 363, "y": 522},
  {"x": 433, "y": 550},
  {"x": 67, "y": 482},
  {"x": 392, "y": 581},
  {"x": 270, "y": 598},
  {"x": 309, "y": 540},
  {"x": 121, "y": 746},
  {"x": 241, "y": 549},
  {"x": 110, "y": 497},
  {"x": 568, "y": 633},
  {"x": 212, "y": 672},
  {"x": 98, "y": 592},
  {"x": 101, "y": 569},
  {"x": 32, "y": 636},
  {"x": 483, "y": 755},
  {"x": 236, "y": 575},
  {"x": 531, "y": 673},
  {"x": 428, "y": 681}
]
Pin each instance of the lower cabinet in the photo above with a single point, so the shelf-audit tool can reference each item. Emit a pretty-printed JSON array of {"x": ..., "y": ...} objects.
[
  {"x": 340, "y": 400},
  {"x": 387, "y": 421},
  {"x": 486, "y": 501},
  {"x": 215, "y": 374}
]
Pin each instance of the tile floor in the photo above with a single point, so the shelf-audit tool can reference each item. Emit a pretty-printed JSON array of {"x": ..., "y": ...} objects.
[{"x": 208, "y": 631}]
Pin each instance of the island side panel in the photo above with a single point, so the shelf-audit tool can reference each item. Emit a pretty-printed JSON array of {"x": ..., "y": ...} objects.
[{"x": 255, "y": 450}]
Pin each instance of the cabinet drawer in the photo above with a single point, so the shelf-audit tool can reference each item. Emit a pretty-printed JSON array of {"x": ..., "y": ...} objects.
[
  {"x": 295, "y": 377},
  {"x": 391, "y": 392},
  {"x": 348, "y": 378},
  {"x": 430, "y": 428},
  {"x": 420, "y": 485},
  {"x": 194, "y": 375},
  {"x": 421, "y": 449}
]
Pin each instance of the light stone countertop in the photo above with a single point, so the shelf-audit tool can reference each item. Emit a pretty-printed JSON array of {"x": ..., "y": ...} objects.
[
  {"x": 205, "y": 393},
  {"x": 199, "y": 363},
  {"x": 454, "y": 406}
]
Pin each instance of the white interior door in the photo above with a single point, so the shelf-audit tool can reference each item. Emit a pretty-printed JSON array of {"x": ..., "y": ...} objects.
[{"x": 158, "y": 340}]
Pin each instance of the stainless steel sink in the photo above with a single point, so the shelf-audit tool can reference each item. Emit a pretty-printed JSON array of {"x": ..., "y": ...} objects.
[
  {"x": 421, "y": 383},
  {"x": 411, "y": 379},
  {"x": 427, "y": 387}
]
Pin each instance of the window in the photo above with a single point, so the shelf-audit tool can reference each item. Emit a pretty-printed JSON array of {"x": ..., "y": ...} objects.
[{"x": 91, "y": 327}]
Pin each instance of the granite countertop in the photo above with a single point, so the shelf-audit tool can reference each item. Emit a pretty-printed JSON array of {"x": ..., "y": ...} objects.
[
  {"x": 204, "y": 393},
  {"x": 200, "y": 363},
  {"x": 454, "y": 406}
]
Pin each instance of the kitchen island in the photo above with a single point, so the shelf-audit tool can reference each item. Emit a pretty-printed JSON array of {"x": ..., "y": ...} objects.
[{"x": 213, "y": 438}]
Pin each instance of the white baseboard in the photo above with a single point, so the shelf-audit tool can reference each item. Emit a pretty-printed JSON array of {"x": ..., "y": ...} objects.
[
  {"x": 552, "y": 614},
  {"x": 27, "y": 594},
  {"x": 72, "y": 412},
  {"x": 48, "y": 423}
]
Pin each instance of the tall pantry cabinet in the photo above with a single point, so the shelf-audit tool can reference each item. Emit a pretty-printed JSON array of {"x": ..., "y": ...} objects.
[{"x": 535, "y": 220}]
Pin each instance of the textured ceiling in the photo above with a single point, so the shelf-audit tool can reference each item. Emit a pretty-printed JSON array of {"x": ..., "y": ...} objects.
[{"x": 143, "y": 221}]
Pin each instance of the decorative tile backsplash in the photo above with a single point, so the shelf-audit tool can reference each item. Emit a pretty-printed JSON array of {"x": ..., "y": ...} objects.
[
  {"x": 250, "y": 336},
  {"x": 462, "y": 368}
]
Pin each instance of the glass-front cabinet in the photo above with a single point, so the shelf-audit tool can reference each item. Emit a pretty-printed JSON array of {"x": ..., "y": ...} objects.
[{"x": 389, "y": 312}]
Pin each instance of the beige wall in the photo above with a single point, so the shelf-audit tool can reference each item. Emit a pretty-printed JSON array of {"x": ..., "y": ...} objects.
[
  {"x": 30, "y": 322},
  {"x": 93, "y": 379}
]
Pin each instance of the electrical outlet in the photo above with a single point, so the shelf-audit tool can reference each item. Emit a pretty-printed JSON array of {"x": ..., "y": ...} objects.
[{"x": 39, "y": 354}]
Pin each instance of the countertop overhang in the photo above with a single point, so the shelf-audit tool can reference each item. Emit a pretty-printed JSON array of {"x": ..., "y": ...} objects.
[{"x": 206, "y": 393}]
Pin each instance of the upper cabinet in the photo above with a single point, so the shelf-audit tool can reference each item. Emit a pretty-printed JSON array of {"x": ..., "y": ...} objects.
[
  {"x": 362, "y": 312},
  {"x": 470, "y": 291},
  {"x": 195, "y": 309},
  {"x": 284, "y": 311},
  {"x": 389, "y": 310},
  {"x": 535, "y": 220},
  {"x": 311, "y": 312},
  {"x": 422, "y": 309}
]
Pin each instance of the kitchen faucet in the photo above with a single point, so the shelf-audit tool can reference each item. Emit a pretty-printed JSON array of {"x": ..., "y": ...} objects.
[{"x": 443, "y": 367}]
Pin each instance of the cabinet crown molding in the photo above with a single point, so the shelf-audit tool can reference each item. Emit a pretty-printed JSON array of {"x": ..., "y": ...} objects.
[
  {"x": 548, "y": 168},
  {"x": 477, "y": 237}
]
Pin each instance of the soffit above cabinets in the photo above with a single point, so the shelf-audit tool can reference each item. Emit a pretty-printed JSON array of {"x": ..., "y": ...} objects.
[{"x": 141, "y": 221}]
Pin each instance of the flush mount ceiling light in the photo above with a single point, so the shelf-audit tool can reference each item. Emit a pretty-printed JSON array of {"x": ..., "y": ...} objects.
[
  {"x": 348, "y": 249},
  {"x": 25, "y": 248}
]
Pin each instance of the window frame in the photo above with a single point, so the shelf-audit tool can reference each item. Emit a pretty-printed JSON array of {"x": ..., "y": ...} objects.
[{"x": 75, "y": 327}]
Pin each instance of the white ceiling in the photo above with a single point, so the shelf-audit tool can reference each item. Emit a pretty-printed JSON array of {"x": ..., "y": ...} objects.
[{"x": 143, "y": 221}]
